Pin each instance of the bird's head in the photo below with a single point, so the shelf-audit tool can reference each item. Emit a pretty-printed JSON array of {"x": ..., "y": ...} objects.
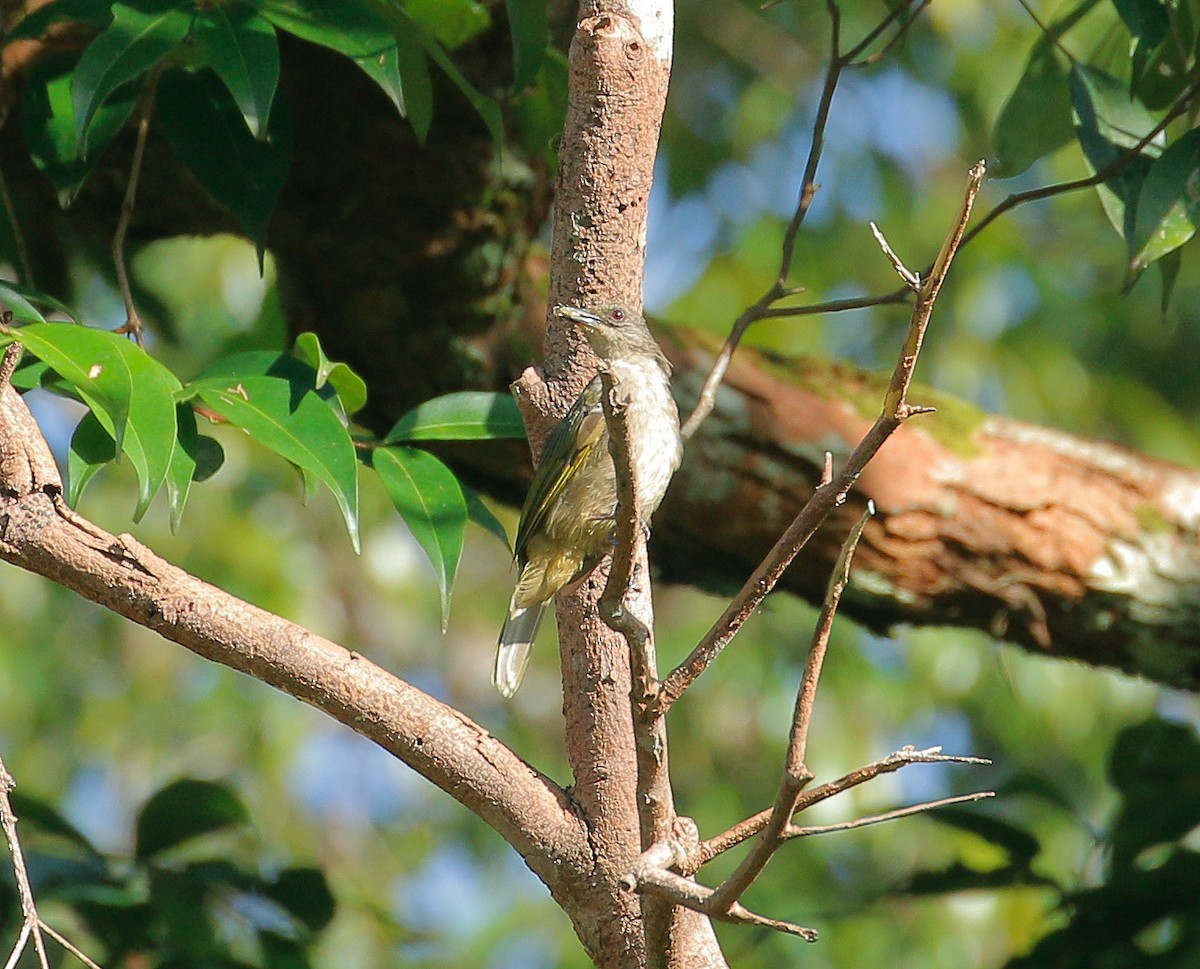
[{"x": 614, "y": 331}]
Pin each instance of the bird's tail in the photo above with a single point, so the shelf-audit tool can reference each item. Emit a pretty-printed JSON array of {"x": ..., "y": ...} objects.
[{"x": 516, "y": 640}]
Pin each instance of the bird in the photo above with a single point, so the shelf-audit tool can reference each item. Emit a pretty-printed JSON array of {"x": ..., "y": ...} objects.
[{"x": 569, "y": 513}]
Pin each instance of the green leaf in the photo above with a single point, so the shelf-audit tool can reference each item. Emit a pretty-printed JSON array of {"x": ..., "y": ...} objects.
[
  {"x": 403, "y": 27},
  {"x": 1168, "y": 268},
  {"x": 1156, "y": 767},
  {"x": 20, "y": 301},
  {"x": 184, "y": 810},
  {"x": 541, "y": 111},
  {"x": 131, "y": 393},
  {"x": 395, "y": 62},
  {"x": 451, "y": 22},
  {"x": 92, "y": 447},
  {"x": 349, "y": 28},
  {"x": 197, "y": 458},
  {"x": 430, "y": 500},
  {"x": 485, "y": 107},
  {"x": 1146, "y": 19},
  {"x": 1168, "y": 205},
  {"x": 530, "y": 35},
  {"x": 350, "y": 387},
  {"x": 1108, "y": 120},
  {"x": 465, "y": 416},
  {"x": 48, "y": 121},
  {"x": 417, "y": 86},
  {"x": 482, "y": 516},
  {"x": 92, "y": 13},
  {"x": 1036, "y": 118},
  {"x": 305, "y": 893},
  {"x": 241, "y": 47},
  {"x": 32, "y": 811},
  {"x": 284, "y": 412},
  {"x": 242, "y": 173},
  {"x": 133, "y": 43}
]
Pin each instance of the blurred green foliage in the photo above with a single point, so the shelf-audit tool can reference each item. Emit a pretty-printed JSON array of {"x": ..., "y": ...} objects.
[{"x": 98, "y": 715}]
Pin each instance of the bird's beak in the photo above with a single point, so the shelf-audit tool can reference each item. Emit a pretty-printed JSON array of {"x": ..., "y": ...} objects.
[{"x": 580, "y": 317}]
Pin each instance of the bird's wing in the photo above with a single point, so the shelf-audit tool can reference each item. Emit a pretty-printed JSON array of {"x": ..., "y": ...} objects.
[{"x": 567, "y": 447}]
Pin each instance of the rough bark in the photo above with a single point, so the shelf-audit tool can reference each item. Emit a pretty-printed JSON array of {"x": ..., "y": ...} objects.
[{"x": 619, "y": 68}]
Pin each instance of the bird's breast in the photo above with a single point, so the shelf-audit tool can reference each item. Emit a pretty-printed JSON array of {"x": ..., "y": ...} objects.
[{"x": 653, "y": 421}]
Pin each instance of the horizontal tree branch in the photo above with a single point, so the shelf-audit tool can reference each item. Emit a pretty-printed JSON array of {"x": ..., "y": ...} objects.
[{"x": 39, "y": 533}]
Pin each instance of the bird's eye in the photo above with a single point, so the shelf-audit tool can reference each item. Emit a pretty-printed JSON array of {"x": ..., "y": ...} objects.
[{"x": 618, "y": 315}]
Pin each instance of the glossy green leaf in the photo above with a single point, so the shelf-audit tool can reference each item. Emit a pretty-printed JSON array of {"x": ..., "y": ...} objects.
[
  {"x": 530, "y": 35},
  {"x": 413, "y": 69},
  {"x": 1168, "y": 269},
  {"x": 48, "y": 121},
  {"x": 464, "y": 416},
  {"x": 134, "y": 42},
  {"x": 242, "y": 173},
  {"x": 1108, "y": 120},
  {"x": 1036, "y": 118},
  {"x": 485, "y": 107},
  {"x": 451, "y": 23},
  {"x": 350, "y": 387},
  {"x": 92, "y": 447},
  {"x": 241, "y": 47},
  {"x": 22, "y": 302},
  {"x": 131, "y": 393},
  {"x": 430, "y": 500},
  {"x": 349, "y": 28},
  {"x": 482, "y": 516},
  {"x": 305, "y": 893},
  {"x": 1146, "y": 19},
  {"x": 1168, "y": 205},
  {"x": 93, "y": 13},
  {"x": 196, "y": 458},
  {"x": 404, "y": 27},
  {"x": 182, "y": 811},
  {"x": 284, "y": 412}
]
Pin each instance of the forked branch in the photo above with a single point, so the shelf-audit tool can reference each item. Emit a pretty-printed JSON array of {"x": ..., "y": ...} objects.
[{"x": 826, "y": 497}]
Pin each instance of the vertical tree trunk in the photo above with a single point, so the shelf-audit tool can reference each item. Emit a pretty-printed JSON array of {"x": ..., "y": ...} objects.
[{"x": 619, "y": 68}]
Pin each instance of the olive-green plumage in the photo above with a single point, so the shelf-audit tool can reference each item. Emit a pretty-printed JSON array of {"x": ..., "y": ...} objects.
[{"x": 566, "y": 524}]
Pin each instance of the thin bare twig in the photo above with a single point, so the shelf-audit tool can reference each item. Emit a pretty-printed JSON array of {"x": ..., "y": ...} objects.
[
  {"x": 911, "y": 279},
  {"x": 895, "y": 411},
  {"x": 795, "y": 772},
  {"x": 1110, "y": 171},
  {"x": 796, "y": 831},
  {"x": 32, "y": 925},
  {"x": 744, "y": 830},
  {"x": 905, "y": 10},
  {"x": 68, "y": 945},
  {"x": 690, "y": 894},
  {"x": 143, "y": 111},
  {"x": 808, "y": 189}
]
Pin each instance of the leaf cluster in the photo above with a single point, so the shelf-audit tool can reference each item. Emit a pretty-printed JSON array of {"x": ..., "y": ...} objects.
[
  {"x": 180, "y": 895},
  {"x": 212, "y": 72},
  {"x": 1126, "y": 105},
  {"x": 1145, "y": 911},
  {"x": 299, "y": 405}
]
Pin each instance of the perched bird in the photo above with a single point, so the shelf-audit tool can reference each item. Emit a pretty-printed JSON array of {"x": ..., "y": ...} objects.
[{"x": 567, "y": 522}]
